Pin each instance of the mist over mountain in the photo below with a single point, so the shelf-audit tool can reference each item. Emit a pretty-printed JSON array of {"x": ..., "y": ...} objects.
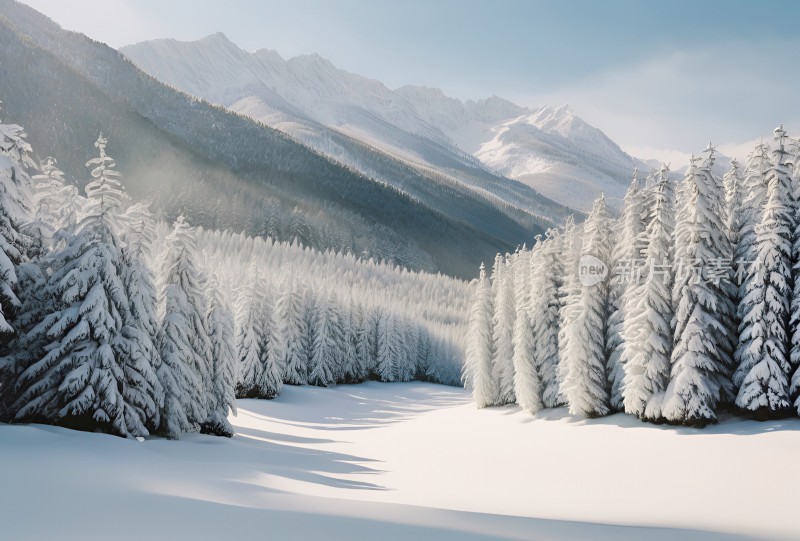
[{"x": 483, "y": 144}]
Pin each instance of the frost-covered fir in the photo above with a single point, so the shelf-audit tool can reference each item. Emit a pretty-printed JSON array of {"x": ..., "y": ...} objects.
[
  {"x": 502, "y": 334},
  {"x": 293, "y": 333},
  {"x": 219, "y": 322},
  {"x": 588, "y": 385},
  {"x": 762, "y": 375},
  {"x": 55, "y": 203},
  {"x": 328, "y": 336},
  {"x": 249, "y": 319},
  {"x": 478, "y": 365},
  {"x": 140, "y": 357},
  {"x": 15, "y": 193},
  {"x": 571, "y": 243},
  {"x": 546, "y": 278},
  {"x": 699, "y": 360},
  {"x": 85, "y": 378},
  {"x": 626, "y": 267},
  {"x": 648, "y": 319},
  {"x": 527, "y": 381},
  {"x": 183, "y": 338}
]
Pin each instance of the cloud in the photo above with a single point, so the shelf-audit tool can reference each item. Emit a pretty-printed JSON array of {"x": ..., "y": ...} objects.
[{"x": 679, "y": 100}]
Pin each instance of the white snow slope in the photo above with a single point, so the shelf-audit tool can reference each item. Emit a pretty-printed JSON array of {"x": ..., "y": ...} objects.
[
  {"x": 549, "y": 148},
  {"x": 404, "y": 461}
]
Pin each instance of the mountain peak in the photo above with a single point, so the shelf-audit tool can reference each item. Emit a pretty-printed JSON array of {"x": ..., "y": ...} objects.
[{"x": 216, "y": 37}]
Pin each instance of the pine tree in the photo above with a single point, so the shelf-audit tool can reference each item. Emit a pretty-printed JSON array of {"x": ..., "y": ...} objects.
[
  {"x": 270, "y": 354},
  {"x": 389, "y": 348},
  {"x": 698, "y": 364},
  {"x": 502, "y": 334},
  {"x": 54, "y": 202},
  {"x": 323, "y": 359},
  {"x": 719, "y": 271},
  {"x": 139, "y": 355},
  {"x": 15, "y": 147},
  {"x": 527, "y": 382},
  {"x": 292, "y": 332},
  {"x": 15, "y": 197},
  {"x": 338, "y": 332},
  {"x": 28, "y": 343},
  {"x": 546, "y": 274},
  {"x": 628, "y": 249},
  {"x": 183, "y": 338},
  {"x": 734, "y": 203},
  {"x": 587, "y": 385},
  {"x": 362, "y": 360},
  {"x": 249, "y": 317},
  {"x": 352, "y": 371},
  {"x": 219, "y": 322},
  {"x": 762, "y": 377},
  {"x": 571, "y": 244},
  {"x": 478, "y": 362},
  {"x": 648, "y": 322},
  {"x": 82, "y": 381}
]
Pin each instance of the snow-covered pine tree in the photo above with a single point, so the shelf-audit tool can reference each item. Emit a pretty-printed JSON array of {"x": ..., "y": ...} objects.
[
  {"x": 183, "y": 338},
  {"x": 629, "y": 245},
  {"x": 720, "y": 272},
  {"x": 15, "y": 147},
  {"x": 348, "y": 373},
  {"x": 220, "y": 325},
  {"x": 648, "y": 321},
  {"x": 735, "y": 194},
  {"x": 249, "y": 317},
  {"x": 478, "y": 362},
  {"x": 587, "y": 386},
  {"x": 81, "y": 381},
  {"x": 754, "y": 198},
  {"x": 570, "y": 246},
  {"x": 409, "y": 344},
  {"x": 54, "y": 202},
  {"x": 139, "y": 355},
  {"x": 762, "y": 377},
  {"x": 270, "y": 354},
  {"x": 794, "y": 322},
  {"x": 28, "y": 343},
  {"x": 15, "y": 202},
  {"x": 546, "y": 275},
  {"x": 338, "y": 335},
  {"x": 322, "y": 364},
  {"x": 502, "y": 333},
  {"x": 698, "y": 365},
  {"x": 292, "y": 332},
  {"x": 362, "y": 360},
  {"x": 389, "y": 348},
  {"x": 527, "y": 381}
]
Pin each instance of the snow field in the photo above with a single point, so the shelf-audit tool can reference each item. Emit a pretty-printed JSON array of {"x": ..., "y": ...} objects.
[{"x": 404, "y": 461}]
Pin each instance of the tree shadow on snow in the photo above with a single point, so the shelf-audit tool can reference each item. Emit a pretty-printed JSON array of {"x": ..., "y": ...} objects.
[{"x": 728, "y": 423}]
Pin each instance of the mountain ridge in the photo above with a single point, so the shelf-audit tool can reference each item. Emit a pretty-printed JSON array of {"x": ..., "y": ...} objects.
[{"x": 312, "y": 88}]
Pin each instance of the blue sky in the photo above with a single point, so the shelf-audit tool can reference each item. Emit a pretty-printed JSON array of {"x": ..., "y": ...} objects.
[{"x": 662, "y": 78}]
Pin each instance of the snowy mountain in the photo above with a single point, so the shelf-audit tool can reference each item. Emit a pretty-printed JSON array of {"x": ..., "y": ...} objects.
[
  {"x": 223, "y": 170},
  {"x": 548, "y": 149}
]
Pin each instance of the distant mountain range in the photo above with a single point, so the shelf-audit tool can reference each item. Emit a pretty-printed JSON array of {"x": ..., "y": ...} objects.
[
  {"x": 548, "y": 149},
  {"x": 430, "y": 207}
]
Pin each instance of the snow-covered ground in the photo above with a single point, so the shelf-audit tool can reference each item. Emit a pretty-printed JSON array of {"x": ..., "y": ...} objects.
[{"x": 404, "y": 461}]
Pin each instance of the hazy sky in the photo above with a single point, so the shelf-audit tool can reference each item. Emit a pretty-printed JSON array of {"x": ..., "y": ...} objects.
[{"x": 659, "y": 77}]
